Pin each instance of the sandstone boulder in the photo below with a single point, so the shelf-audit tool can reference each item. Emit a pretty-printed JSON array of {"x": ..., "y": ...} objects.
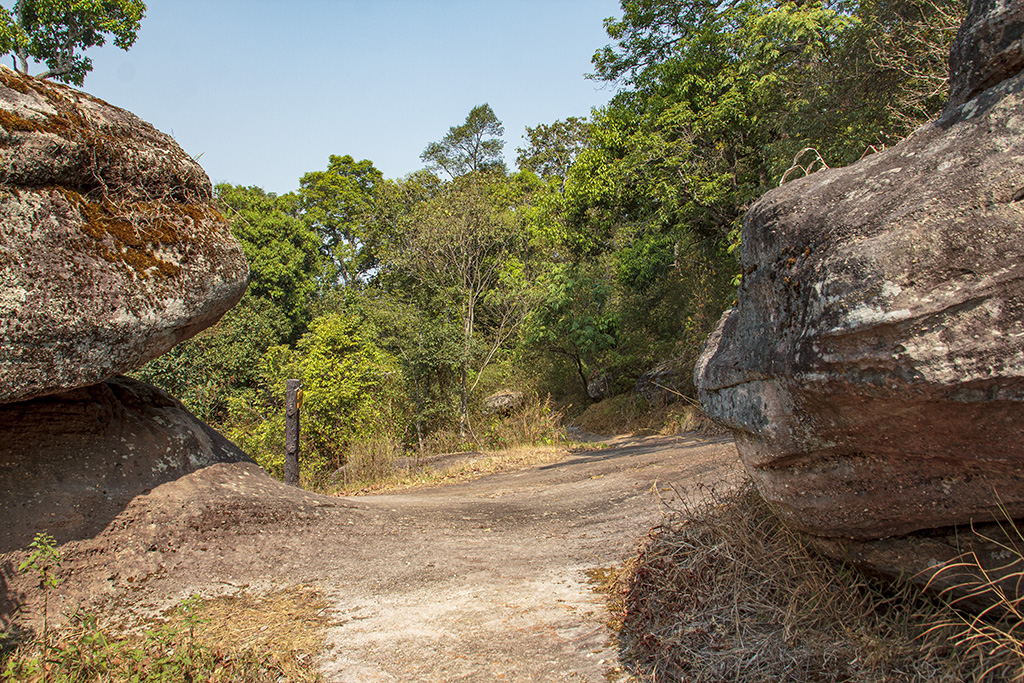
[
  {"x": 504, "y": 402},
  {"x": 111, "y": 251},
  {"x": 665, "y": 383},
  {"x": 873, "y": 368},
  {"x": 69, "y": 463}
]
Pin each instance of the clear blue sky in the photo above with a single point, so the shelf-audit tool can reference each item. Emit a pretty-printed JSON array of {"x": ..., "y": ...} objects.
[{"x": 266, "y": 90}]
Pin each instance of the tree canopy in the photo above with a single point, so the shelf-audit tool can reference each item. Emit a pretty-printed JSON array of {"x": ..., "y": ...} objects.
[
  {"x": 55, "y": 32},
  {"x": 473, "y": 147}
]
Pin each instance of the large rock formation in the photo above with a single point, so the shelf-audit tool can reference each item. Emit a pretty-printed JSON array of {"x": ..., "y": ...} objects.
[
  {"x": 873, "y": 368},
  {"x": 111, "y": 252},
  {"x": 69, "y": 463},
  {"x": 110, "y": 249}
]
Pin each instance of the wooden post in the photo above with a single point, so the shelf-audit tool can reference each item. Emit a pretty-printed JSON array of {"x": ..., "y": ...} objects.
[{"x": 293, "y": 400}]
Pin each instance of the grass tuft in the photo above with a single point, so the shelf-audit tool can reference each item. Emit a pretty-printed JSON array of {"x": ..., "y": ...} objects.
[
  {"x": 721, "y": 590},
  {"x": 991, "y": 628},
  {"x": 241, "y": 639}
]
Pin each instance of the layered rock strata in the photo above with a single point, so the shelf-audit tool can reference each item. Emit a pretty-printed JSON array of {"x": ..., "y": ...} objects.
[{"x": 873, "y": 368}]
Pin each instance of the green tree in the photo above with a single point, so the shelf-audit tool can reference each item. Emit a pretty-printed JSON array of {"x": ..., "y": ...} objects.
[
  {"x": 283, "y": 252},
  {"x": 464, "y": 247},
  {"x": 338, "y": 204},
  {"x": 473, "y": 147},
  {"x": 553, "y": 148},
  {"x": 575, "y": 317},
  {"x": 56, "y": 31}
]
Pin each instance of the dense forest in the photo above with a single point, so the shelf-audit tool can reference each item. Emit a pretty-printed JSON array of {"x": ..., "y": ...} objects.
[{"x": 610, "y": 248}]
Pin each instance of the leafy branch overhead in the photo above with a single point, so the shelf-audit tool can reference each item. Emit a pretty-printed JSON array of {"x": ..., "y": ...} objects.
[{"x": 55, "y": 32}]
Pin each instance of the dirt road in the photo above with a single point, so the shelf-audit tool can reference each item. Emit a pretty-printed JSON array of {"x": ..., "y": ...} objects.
[{"x": 485, "y": 580}]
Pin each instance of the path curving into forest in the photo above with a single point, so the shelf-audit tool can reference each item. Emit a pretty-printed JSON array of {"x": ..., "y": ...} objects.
[{"x": 485, "y": 580}]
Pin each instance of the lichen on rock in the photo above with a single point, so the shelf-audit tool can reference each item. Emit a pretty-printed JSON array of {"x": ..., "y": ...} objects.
[{"x": 111, "y": 250}]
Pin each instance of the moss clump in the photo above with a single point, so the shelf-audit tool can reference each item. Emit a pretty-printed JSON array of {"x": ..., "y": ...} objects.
[
  {"x": 14, "y": 81},
  {"x": 133, "y": 233},
  {"x": 12, "y": 122}
]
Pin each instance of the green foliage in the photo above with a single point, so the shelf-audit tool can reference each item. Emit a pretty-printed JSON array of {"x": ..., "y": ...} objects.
[
  {"x": 464, "y": 250},
  {"x": 348, "y": 383},
  {"x": 338, "y": 205},
  {"x": 473, "y": 147},
  {"x": 54, "y": 31},
  {"x": 575, "y": 317},
  {"x": 84, "y": 652},
  {"x": 283, "y": 252},
  {"x": 553, "y": 148},
  {"x": 352, "y": 389},
  {"x": 43, "y": 561},
  {"x": 210, "y": 370}
]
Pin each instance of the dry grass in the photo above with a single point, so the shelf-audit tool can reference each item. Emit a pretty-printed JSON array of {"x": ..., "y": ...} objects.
[
  {"x": 994, "y": 634},
  {"x": 286, "y": 627},
  {"x": 239, "y": 639},
  {"x": 629, "y": 414},
  {"x": 721, "y": 591},
  {"x": 531, "y": 435},
  {"x": 434, "y": 472}
]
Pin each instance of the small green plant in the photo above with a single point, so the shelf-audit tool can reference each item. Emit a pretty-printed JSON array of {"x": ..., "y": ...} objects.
[
  {"x": 268, "y": 641},
  {"x": 43, "y": 561},
  {"x": 190, "y": 613}
]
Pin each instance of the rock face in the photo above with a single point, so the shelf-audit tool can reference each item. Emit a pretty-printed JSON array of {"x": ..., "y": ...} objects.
[
  {"x": 989, "y": 48},
  {"x": 873, "y": 368},
  {"x": 69, "y": 463},
  {"x": 504, "y": 402},
  {"x": 665, "y": 383},
  {"x": 110, "y": 249}
]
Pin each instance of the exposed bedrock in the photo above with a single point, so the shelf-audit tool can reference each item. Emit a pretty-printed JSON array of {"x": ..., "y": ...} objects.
[
  {"x": 71, "y": 462},
  {"x": 873, "y": 368},
  {"x": 111, "y": 251}
]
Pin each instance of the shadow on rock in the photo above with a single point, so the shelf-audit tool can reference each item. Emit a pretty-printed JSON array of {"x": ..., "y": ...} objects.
[{"x": 71, "y": 462}]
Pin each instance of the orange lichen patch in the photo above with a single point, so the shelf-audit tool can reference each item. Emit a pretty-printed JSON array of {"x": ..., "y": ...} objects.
[
  {"x": 14, "y": 81},
  {"x": 12, "y": 122},
  {"x": 134, "y": 233}
]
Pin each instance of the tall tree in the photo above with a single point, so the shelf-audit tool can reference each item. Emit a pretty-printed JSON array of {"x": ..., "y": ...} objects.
[
  {"x": 55, "y": 31},
  {"x": 473, "y": 147},
  {"x": 283, "y": 253},
  {"x": 553, "y": 148},
  {"x": 465, "y": 248},
  {"x": 339, "y": 205}
]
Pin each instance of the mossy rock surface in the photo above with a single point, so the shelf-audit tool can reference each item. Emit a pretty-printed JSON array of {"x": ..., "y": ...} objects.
[{"x": 111, "y": 251}]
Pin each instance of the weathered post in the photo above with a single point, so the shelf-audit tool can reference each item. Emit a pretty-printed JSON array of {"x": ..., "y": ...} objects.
[{"x": 291, "y": 432}]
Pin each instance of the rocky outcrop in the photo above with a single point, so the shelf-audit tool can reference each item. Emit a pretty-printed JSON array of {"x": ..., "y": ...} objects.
[
  {"x": 111, "y": 251},
  {"x": 504, "y": 402},
  {"x": 665, "y": 383},
  {"x": 600, "y": 387},
  {"x": 69, "y": 463},
  {"x": 873, "y": 368},
  {"x": 989, "y": 48}
]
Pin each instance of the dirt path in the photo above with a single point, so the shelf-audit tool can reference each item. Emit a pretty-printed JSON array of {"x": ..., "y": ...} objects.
[{"x": 481, "y": 581}]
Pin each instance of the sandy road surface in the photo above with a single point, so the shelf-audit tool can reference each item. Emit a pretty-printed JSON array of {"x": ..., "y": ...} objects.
[
  {"x": 485, "y": 580},
  {"x": 488, "y": 579}
]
